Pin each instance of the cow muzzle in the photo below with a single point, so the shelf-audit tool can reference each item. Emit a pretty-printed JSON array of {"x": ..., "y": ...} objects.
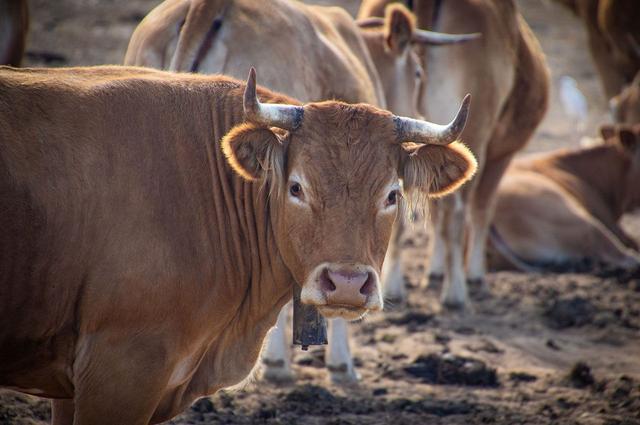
[{"x": 343, "y": 290}]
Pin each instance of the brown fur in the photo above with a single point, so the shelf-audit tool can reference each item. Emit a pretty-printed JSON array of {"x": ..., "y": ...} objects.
[
  {"x": 124, "y": 230},
  {"x": 565, "y": 206},
  {"x": 14, "y": 26},
  {"x": 625, "y": 107}
]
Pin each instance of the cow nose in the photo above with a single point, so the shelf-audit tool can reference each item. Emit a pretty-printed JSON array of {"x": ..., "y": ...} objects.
[{"x": 346, "y": 286}]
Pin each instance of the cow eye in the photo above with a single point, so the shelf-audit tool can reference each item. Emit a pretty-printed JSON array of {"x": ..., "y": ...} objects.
[
  {"x": 295, "y": 190},
  {"x": 392, "y": 199}
]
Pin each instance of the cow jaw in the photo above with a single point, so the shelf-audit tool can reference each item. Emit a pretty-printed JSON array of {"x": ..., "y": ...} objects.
[{"x": 348, "y": 291}]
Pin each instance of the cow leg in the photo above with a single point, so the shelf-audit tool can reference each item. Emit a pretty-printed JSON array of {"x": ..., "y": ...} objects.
[
  {"x": 481, "y": 212},
  {"x": 392, "y": 278},
  {"x": 454, "y": 291},
  {"x": 339, "y": 361},
  {"x": 62, "y": 412},
  {"x": 119, "y": 381},
  {"x": 276, "y": 361},
  {"x": 438, "y": 246}
]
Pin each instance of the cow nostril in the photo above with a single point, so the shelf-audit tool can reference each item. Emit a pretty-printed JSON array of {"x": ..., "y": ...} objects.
[
  {"x": 325, "y": 282},
  {"x": 368, "y": 286}
]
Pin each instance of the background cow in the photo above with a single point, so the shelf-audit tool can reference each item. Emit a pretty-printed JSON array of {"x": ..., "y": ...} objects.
[
  {"x": 341, "y": 61},
  {"x": 14, "y": 26},
  {"x": 506, "y": 70},
  {"x": 128, "y": 224},
  {"x": 563, "y": 207}
]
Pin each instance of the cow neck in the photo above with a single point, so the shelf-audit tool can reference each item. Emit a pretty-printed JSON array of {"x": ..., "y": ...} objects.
[
  {"x": 249, "y": 264},
  {"x": 596, "y": 177}
]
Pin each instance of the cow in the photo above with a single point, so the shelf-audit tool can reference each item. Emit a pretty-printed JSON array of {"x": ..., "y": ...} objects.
[
  {"x": 14, "y": 26},
  {"x": 506, "y": 72},
  {"x": 625, "y": 107},
  {"x": 614, "y": 39},
  {"x": 562, "y": 207},
  {"x": 342, "y": 60},
  {"x": 154, "y": 224}
]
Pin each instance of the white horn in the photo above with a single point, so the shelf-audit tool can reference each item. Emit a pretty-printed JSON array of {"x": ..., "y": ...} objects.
[
  {"x": 287, "y": 117},
  {"x": 441, "y": 38},
  {"x": 425, "y": 132}
]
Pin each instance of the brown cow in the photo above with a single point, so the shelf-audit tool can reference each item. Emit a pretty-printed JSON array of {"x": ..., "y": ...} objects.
[
  {"x": 14, "y": 26},
  {"x": 341, "y": 61},
  {"x": 128, "y": 222},
  {"x": 505, "y": 70},
  {"x": 625, "y": 107},
  {"x": 614, "y": 39},
  {"x": 563, "y": 207}
]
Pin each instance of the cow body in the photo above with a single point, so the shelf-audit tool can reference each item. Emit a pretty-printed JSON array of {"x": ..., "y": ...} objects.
[
  {"x": 560, "y": 208},
  {"x": 505, "y": 70},
  {"x": 614, "y": 39},
  {"x": 113, "y": 248},
  {"x": 14, "y": 25},
  {"x": 226, "y": 37},
  {"x": 143, "y": 260}
]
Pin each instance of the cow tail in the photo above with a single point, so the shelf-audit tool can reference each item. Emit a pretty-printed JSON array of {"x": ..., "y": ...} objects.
[
  {"x": 203, "y": 21},
  {"x": 505, "y": 250}
]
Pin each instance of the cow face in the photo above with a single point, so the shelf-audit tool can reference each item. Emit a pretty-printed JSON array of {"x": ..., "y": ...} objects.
[
  {"x": 625, "y": 107},
  {"x": 398, "y": 65},
  {"x": 626, "y": 139},
  {"x": 334, "y": 171}
]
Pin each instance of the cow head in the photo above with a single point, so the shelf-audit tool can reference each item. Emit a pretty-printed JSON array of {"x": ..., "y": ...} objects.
[
  {"x": 626, "y": 140},
  {"x": 625, "y": 107},
  {"x": 391, "y": 41},
  {"x": 334, "y": 173}
]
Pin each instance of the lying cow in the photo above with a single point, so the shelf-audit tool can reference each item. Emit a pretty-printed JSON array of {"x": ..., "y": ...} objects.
[
  {"x": 341, "y": 61},
  {"x": 506, "y": 72},
  {"x": 150, "y": 237},
  {"x": 14, "y": 26},
  {"x": 563, "y": 207}
]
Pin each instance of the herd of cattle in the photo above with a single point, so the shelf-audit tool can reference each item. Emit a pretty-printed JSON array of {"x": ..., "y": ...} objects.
[{"x": 154, "y": 221}]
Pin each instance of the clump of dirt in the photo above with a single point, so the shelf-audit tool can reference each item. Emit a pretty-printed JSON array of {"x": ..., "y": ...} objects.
[
  {"x": 570, "y": 312},
  {"x": 580, "y": 375},
  {"x": 449, "y": 369}
]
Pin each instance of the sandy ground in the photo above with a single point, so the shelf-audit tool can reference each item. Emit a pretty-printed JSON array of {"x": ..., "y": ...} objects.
[{"x": 535, "y": 349}]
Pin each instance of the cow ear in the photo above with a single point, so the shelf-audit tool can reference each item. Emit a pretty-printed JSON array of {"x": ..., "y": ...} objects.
[
  {"x": 399, "y": 26},
  {"x": 628, "y": 139},
  {"x": 607, "y": 131},
  {"x": 437, "y": 170},
  {"x": 252, "y": 150}
]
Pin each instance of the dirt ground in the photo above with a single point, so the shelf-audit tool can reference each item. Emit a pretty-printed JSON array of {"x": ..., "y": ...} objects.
[{"x": 535, "y": 349}]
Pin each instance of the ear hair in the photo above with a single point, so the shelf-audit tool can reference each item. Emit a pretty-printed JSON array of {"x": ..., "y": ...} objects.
[
  {"x": 437, "y": 170},
  {"x": 256, "y": 152}
]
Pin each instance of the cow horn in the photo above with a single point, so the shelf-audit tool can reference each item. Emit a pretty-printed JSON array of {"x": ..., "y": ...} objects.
[
  {"x": 370, "y": 22},
  {"x": 441, "y": 38},
  {"x": 287, "y": 117},
  {"x": 424, "y": 132}
]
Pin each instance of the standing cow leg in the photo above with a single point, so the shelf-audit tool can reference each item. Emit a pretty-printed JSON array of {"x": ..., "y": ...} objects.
[
  {"x": 339, "y": 361},
  {"x": 453, "y": 210},
  {"x": 481, "y": 212},
  {"x": 438, "y": 246},
  {"x": 276, "y": 361},
  {"x": 392, "y": 277},
  {"x": 62, "y": 412}
]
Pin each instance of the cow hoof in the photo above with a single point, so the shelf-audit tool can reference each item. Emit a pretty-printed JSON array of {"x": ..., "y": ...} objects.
[
  {"x": 434, "y": 282},
  {"x": 343, "y": 374},
  {"x": 454, "y": 305},
  {"x": 277, "y": 371}
]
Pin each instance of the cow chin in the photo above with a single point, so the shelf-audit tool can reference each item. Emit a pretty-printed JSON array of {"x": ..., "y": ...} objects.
[
  {"x": 348, "y": 291},
  {"x": 343, "y": 312}
]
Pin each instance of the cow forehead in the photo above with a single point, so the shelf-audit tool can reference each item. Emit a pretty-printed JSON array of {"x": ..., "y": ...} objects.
[{"x": 340, "y": 146}]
